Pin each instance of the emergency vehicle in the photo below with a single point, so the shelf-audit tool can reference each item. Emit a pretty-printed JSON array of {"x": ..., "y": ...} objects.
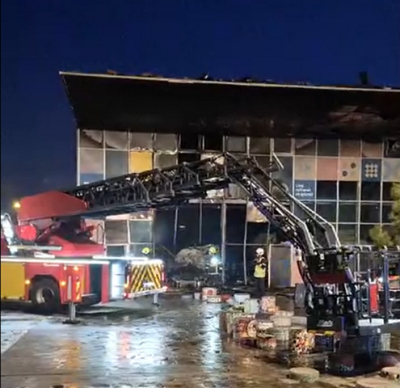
[{"x": 51, "y": 262}]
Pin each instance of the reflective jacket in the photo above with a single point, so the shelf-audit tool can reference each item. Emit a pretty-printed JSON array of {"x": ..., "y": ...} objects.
[{"x": 260, "y": 268}]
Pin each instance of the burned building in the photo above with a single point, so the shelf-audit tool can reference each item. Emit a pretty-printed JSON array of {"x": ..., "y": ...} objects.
[{"x": 340, "y": 148}]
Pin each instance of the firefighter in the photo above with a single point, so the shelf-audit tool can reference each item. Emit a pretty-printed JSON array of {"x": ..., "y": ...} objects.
[{"x": 260, "y": 271}]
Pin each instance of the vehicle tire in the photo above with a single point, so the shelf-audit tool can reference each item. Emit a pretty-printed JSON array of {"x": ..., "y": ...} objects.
[{"x": 45, "y": 296}]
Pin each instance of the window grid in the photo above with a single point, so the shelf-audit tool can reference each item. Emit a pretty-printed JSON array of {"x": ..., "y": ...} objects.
[{"x": 292, "y": 154}]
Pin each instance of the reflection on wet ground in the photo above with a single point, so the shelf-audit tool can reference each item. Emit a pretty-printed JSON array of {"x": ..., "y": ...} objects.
[{"x": 178, "y": 345}]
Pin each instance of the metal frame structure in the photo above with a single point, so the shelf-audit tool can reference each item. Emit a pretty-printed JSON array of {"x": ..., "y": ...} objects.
[{"x": 324, "y": 261}]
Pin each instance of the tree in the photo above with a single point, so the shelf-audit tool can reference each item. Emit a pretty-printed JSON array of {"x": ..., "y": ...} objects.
[{"x": 382, "y": 237}]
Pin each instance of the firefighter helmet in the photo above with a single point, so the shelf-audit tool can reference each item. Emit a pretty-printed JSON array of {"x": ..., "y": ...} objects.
[{"x": 260, "y": 251}]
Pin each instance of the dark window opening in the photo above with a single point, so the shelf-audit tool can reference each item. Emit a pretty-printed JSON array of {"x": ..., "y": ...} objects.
[
  {"x": 213, "y": 142},
  {"x": 283, "y": 145},
  {"x": 211, "y": 225},
  {"x": 326, "y": 190},
  {"x": 348, "y": 191},
  {"x": 234, "y": 263},
  {"x": 370, "y": 213},
  {"x": 188, "y": 233},
  {"x": 364, "y": 234},
  {"x": 327, "y": 211},
  {"x": 257, "y": 233},
  {"x": 164, "y": 228},
  {"x": 387, "y": 209},
  {"x": 300, "y": 213},
  {"x": 305, "y": 147},
  {"x": 260, "y": 146},
  {"x": 348, "y": 233},
  {"x": 188, "y": 158},
  {"x": 387, "y": 191},
  {"x": 328, "y": 147},
  {"x": 189, "y": 141},
  {"x": 347, "y": 212},
  {"x": 370, "y": 191},
  {"x": 235, "y": 223},
  {"x": 392, "y": 149}
]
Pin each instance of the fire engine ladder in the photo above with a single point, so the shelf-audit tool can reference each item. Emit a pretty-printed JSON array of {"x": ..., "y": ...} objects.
[{"x": 172, "y": 186}]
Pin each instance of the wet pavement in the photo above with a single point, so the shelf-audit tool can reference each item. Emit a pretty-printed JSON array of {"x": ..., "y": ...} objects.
[{"x": 178, "y": 345}]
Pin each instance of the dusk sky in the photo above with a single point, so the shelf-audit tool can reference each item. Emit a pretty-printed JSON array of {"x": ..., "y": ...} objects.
[{"x": 320, "y": 41}]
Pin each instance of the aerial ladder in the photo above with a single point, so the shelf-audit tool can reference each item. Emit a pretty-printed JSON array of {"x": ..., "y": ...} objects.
[{"x": 332, "y": 293}]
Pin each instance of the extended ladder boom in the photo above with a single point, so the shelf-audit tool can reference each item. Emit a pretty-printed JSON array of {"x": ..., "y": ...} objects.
[{"x": 175, "y": 185}]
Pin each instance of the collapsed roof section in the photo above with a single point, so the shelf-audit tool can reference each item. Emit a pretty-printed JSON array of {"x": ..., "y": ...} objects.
[{"x": 164, "y": 105}]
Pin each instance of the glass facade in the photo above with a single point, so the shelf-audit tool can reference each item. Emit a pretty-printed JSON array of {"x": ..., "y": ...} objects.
[{"x": 347, "y": 181}]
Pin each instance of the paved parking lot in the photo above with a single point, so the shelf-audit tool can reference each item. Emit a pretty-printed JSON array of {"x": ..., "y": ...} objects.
[{"x": 178, "y": 345}]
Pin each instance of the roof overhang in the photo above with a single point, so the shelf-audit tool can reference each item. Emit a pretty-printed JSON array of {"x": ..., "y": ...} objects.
[{"x": 148, "y": 104}]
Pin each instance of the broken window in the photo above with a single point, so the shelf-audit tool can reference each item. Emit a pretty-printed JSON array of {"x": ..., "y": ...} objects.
[
  {"x": 90, "y": 139},
  {"x": 188, "y": 158},
  {"x": 189, "y": 141},
  {"x": 141, "y": 141},
  {"x": 213, "y": 142},
  {"x": 235, "y": 223},
  {"x": 165, "y": 142},
  {"x": 116, "y": 140},
  {"x": 211, "y": 224},
  {"x": 188, "y": 233},
  {"x": 260, "y": 146}
]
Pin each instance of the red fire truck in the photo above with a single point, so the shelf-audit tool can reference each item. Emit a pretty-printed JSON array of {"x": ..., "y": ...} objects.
[{"x": 48, "y": 257}]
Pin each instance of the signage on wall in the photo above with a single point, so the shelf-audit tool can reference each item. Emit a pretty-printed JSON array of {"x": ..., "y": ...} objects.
[{"x": 304, "y": 190}]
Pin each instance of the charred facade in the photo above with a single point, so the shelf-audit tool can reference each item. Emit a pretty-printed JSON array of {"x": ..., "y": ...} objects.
[{"x": 339, "y": 147}]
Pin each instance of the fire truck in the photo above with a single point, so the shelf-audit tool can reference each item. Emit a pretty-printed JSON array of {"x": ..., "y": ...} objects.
[
  {"x": 51, "y": 228},
  {"x": 49, "y": 258}
]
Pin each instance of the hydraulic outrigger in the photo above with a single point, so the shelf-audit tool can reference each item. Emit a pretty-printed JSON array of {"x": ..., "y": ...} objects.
[{"x": 333, "y": 296}]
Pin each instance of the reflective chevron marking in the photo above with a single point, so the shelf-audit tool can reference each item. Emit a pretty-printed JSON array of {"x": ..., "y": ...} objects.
[{"x": 145, "y": 276}]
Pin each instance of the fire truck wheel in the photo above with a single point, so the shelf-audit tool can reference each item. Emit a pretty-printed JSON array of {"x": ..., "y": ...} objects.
[{"x": 45, "y": 295}]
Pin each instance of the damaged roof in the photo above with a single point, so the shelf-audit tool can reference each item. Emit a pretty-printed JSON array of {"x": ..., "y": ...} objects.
[{"x": 166, "y": 105}]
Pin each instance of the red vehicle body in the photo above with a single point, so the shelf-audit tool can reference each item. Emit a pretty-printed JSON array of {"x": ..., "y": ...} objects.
[{"x": 48, "y": 257}]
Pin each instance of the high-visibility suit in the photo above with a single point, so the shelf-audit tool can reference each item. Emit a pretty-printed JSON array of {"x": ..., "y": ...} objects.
[{"x": 260, "y": 272}]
